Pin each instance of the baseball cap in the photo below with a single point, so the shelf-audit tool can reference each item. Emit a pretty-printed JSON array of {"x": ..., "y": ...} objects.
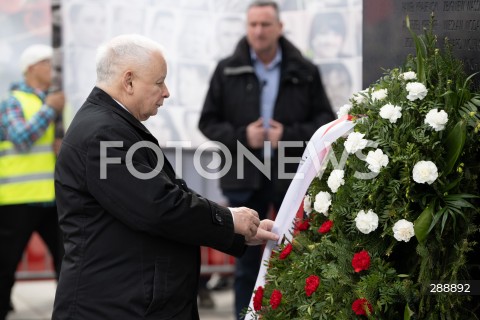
[{"x": 33, "y": 54}]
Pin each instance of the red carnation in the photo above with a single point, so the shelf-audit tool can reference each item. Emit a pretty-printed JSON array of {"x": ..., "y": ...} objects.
[
  {"x": 286, "y": 251},
  {"x": 311, "y": 284},
  {"x": 360, "y": 306},
  {"x": 361, "y": 261},
  {"x": 303, "y": 225},
  {"x": 326, "y": 226},
  {"x": 257, "y": 299},
  {"x": 275, "y": 299}
]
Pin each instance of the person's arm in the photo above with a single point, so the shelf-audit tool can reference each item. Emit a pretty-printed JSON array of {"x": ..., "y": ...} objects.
[
  {"x": 20, "y": 132},
  {"x": 157, "y": 205}
]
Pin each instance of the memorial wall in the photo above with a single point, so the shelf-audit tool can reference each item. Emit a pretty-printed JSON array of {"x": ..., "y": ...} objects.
[{"x": 196, "y": 34}]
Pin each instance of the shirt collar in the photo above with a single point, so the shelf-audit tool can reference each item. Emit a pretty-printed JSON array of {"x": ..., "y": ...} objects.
[
  {"x": 121, "y": 105},
  {"x": 276, "y": 60}
]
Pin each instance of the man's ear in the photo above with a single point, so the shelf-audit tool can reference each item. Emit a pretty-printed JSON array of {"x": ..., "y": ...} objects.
[{"x": 127, "y": 81}]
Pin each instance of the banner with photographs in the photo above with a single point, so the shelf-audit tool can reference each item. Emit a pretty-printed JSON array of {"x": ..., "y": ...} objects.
[{"x": 196, "y": 34}]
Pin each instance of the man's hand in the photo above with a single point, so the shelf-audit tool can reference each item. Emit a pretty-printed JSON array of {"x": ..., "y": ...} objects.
[
  {"x": 275, "y": 133},
  {"x": 263, "y": 233},
  {"x": 256, "y": 134},
  {"x": 56, "y": 101},
  {"x": 246, "y": 222}
]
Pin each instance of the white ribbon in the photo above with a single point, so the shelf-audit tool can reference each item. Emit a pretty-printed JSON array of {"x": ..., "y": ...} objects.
[{"x": 312, "y": 164}]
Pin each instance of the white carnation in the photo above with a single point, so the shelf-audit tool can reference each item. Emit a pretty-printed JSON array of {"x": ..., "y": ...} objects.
[
  {"x": 379, "y": 94},
  {"x": 366, "y": 222},
  {"x": 425, "y": 171},
  {"x": 403, "y": 230},
  {"x": 416, "y": 90},
  {"x": 436, "y": 119},
  {"x": 376, "y": 160},
  {"x": 391, "y": 112},
  {"x": 335, "y": 180},
  {"x": 323, "y": 200},
  {"x": 307, "y": 204},
  {"x": 409, "y": 75},
  {"x": 355, "y": 142},
  {"x": 344, "y": 110}
]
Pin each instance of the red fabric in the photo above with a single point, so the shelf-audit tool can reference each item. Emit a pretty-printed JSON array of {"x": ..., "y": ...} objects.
[
  {"x": 300, "y": 212},
  {"x": 214, "y": 257},
  {"x": 36, "y": 255},
  {"x": 298, "y": 217}
]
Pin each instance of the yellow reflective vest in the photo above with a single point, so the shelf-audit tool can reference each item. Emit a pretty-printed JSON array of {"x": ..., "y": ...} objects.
[{"x": 27, "y": 177}]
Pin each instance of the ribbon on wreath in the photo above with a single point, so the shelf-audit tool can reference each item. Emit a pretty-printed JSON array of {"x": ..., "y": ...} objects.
[{"x": 313, "y": 163}]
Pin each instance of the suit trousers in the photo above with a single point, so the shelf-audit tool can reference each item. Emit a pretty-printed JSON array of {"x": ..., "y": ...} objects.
[{"x": 17, "y": 223}]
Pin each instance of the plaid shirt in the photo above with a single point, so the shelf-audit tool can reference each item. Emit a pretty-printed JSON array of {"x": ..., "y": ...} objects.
[{"x": 15, "y": 128}]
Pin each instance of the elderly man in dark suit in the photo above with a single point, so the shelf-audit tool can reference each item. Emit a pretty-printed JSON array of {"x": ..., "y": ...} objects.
[{"x": 132, "y": 229}]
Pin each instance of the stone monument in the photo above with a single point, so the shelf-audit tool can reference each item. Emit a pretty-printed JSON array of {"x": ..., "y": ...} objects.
[{"x": 387, "y": 41}]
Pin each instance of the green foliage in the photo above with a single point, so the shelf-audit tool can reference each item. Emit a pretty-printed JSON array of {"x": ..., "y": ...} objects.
[{"x": 442, "y": 211}]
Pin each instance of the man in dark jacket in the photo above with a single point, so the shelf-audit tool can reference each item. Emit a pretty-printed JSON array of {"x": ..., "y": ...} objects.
[
  {"x": 132, "y": 229},
  {"x": 265, "y": 100}
]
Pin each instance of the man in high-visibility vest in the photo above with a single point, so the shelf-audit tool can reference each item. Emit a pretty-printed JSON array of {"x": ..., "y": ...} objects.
[{"x": 27, "y": 162}]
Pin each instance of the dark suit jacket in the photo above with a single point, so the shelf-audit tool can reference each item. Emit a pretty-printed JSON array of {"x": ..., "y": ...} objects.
[{"x": 131, "y": 244}]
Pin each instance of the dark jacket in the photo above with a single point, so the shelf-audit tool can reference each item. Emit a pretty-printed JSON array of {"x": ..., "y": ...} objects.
[
  {"x": 233, "y": 102},
  {"x": 131, "y": 245}
]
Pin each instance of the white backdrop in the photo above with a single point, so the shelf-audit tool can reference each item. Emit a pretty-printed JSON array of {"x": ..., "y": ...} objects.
[
  {"x": 195, "y": 33},
  {"x": 22, "y": 23}
]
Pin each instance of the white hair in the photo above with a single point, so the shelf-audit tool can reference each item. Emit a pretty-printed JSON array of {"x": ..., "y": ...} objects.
[{"x": 121, "y": 52}]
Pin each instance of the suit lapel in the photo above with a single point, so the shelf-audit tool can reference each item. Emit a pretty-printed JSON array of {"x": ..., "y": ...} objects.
[{"x": 100, "y": 97}]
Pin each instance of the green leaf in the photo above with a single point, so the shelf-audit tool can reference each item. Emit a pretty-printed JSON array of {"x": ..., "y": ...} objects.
[
  {"x": 452, "y": 184},
  {"x": 469, "y": 78},
  {"x": 421, "y": 51},
  {"x": 423, "y": 222},
  {"x": 455, "y": 209},
  {"x": 460, "y": 203},
  {"x": 436, "y": 217},
  {"x": 475, "y": 101},
  {"x": 444, "y": 221},
  {"x": 408, "y": 313},
  {"x": 461, "y": 196},
  {"x": 455, "y": 140}
]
